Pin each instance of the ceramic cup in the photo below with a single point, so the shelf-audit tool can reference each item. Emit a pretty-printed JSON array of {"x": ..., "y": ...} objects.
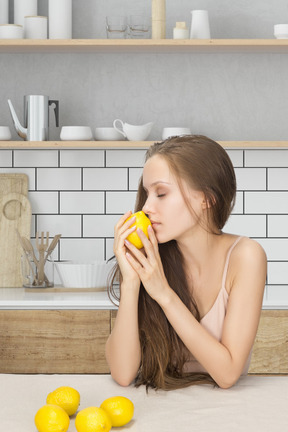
[
  {"x": 35, "y": 27},
  {"x": 133, "y": 132},
  {"x": 281, "y": 31},
  {"x": 11, "y": 31},
  {"x": 107, "y": 134},
  {"x": 175, "y": 131},
  {"x": 76, "y": 133},
  {"x": 5, "y": 133}
]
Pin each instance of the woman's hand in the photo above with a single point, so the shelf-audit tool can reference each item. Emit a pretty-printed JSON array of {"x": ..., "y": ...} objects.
[
  {"x": 148, "y": 266},
  {"x": 121, "y": 231}
]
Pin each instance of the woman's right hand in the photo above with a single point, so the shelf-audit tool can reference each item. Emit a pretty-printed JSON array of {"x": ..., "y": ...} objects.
[{"x": 121, "y": 231}]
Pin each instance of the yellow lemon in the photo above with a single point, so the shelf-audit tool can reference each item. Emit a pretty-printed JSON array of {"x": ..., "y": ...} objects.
[
  {"x": 51, "y": 418},
  {"x": 141, "y": 222},
  {"x": 120, "y": 410},
  {"x": 66, "y": 397},
  {"x": 92, "y": 419}
]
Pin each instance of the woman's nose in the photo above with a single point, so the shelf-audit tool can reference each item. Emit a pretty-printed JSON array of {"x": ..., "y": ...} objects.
[{"x": 146, "y": 207}]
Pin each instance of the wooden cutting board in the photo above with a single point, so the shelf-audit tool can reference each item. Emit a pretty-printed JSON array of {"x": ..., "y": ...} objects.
[
  {"x": 10, "y": 249},
  {"x": 13, "y": 182}
]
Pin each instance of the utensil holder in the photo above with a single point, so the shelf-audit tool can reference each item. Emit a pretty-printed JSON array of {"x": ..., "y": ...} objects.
[{"x": 30, "y": 273}]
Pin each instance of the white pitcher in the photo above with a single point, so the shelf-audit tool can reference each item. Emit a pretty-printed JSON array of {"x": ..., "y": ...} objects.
[
  {"x": 200, "y": 28},
  {"x": 133, "y": 132}
]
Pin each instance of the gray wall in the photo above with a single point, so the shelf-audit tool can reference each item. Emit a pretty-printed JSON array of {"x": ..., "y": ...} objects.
[{"x": 225, "y": 96}]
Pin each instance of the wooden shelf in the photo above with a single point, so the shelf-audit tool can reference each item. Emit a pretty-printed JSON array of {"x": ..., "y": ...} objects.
[
  {"x": 10, "y": 145},
  {"x": 142, "y": 46}
]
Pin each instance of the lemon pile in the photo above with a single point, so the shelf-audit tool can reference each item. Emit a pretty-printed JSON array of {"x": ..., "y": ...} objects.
[{"x": 63, "y": 402}]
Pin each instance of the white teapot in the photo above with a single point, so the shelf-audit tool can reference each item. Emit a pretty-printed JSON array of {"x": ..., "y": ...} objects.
[{"x": 133, "y": 132}]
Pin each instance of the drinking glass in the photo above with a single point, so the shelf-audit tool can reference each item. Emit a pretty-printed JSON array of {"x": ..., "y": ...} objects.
[
  {"x": 139, "y": 27},
  {"x": 116, "y": 27}
]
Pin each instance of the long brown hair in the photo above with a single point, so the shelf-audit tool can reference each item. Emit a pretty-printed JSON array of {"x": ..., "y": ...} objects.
[{"x": 204, "y": 165}]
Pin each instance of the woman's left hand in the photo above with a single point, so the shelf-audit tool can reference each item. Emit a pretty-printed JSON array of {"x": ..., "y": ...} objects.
[{"x": 148, "y": 266}]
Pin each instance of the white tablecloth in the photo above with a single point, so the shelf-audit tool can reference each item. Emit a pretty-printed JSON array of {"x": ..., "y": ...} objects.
[{"x": 253, "y": 404}]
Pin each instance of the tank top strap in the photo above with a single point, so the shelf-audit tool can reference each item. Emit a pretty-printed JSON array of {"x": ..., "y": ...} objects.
[{"x": 227, "y": 261}]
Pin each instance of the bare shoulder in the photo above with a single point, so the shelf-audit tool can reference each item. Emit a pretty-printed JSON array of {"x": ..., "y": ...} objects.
[
  {"x": 249, "y": 250},
  {"x": 248, "y": 261}
]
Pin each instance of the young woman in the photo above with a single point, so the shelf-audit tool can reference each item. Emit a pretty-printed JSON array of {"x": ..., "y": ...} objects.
[{"x": 190, "y": 300}]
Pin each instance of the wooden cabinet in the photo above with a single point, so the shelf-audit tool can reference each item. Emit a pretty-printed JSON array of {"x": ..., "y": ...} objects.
[
  {"x": 73, "y": 341},
  {"x": 54, "y": 341}
]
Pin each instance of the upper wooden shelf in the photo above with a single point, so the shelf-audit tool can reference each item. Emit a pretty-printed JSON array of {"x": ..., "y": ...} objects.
[
  {"x": 144, "y": 45},
  {"x": 10, "y": 145}
]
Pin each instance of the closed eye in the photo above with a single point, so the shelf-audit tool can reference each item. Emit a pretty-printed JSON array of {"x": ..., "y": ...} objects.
[{"x": 161, "y": 195}]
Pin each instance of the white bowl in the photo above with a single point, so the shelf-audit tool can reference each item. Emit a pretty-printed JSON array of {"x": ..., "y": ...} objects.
[
  {"x": 76, "y": 274},
  {"x": 108, "y": 134},
  {"x": 11, "y": 31},
  {"x": 5, "y": 134},
  {"x": 281, "y": 31},
  {"x": 76, "y": 133}
]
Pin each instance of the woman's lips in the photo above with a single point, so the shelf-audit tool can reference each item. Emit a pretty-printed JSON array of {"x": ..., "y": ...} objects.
[{"x": 154, "y": 224}]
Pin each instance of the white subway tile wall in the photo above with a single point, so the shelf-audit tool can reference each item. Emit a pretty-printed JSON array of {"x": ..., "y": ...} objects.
[{"x": 82, "y": 193}]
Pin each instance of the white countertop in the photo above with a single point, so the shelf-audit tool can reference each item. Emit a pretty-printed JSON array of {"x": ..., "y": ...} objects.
[
  {"x": 254, "y": 404},
  {"x": 21, "y": 298}
]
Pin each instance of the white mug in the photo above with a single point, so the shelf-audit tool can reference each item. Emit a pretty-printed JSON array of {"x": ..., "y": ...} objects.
[
  {"x": 200, "y": 28},
  {"x": 175, "y": 131},
  {"x": 11, "y": 31},
  {"x": 35, "y": 27},
  {"x": 133, "y": 132}
]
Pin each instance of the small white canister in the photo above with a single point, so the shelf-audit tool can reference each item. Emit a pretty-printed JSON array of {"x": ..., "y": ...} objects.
[
  {"x": 4, "y": 11},
  {"x": 35, "y": 27},
  {"x": 24, "y": 8},
  {"x": 180, "y": 31},
  {"x": 60, "y": 19}
]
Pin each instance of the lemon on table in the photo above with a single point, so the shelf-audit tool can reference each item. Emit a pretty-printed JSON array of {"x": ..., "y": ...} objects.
[
  {"x": 141, "y": 222},
  {"x": 66, "y": 397},
  {"x": 51, "y": 418},
  {"x": 92, "y": 419},
  {"x": 120, "y": 410}
]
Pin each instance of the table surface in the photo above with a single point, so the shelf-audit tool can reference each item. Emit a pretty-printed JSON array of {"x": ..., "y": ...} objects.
[
  {"x": 69, "y": 298},
  {"x": 253, "y": 404},
  {"x": 53, "y": 298}
]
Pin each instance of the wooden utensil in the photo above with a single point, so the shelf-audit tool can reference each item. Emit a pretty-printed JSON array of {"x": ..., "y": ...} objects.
[
  {"x": 10, "y": 248},
  {"x": 52, "y": 246},
  {"x": 42, "y": 246},
  {"x": 27, "y": 255}
]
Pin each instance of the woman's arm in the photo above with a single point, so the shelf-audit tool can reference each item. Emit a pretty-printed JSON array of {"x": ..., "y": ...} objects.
[
  {"x": 224, "y": 360},
  {"x": 123, "y": 351}
]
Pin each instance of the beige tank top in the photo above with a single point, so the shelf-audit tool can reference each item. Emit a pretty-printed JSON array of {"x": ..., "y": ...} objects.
[{"x": 214, "y": 319}]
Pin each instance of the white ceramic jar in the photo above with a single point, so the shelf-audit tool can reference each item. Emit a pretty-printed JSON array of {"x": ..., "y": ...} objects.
[
  {"x": 35, "y": 27},
  {"x": 24, "y": 8},
  {"x": 60, "y": 19}
]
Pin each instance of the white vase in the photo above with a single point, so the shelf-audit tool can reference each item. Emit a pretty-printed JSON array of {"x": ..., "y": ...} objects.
[
  {"x": 4, "y": 11},
  {"x": 24, "y": 8},
  {"x": 60, "y": 19},
  {"x": 200, "y": 28}
]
